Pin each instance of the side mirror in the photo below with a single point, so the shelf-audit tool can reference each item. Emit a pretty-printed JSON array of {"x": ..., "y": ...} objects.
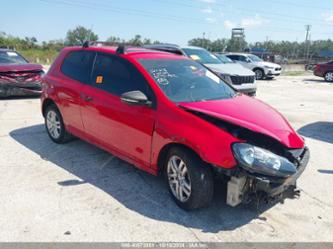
[
  {"x": 135, "y": 98},
  {"x": 247, "y": 60}
]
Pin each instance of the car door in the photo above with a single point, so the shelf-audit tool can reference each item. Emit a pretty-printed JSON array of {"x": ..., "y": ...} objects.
[
  {"x": 75, "y": 70},
  {"x": 117, "y": 126}
]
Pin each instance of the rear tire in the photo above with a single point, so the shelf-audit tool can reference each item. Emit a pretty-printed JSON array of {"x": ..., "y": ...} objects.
[
  {"x": 55, "y": 126},
  {"x": 189, "y": 180},
  {"x": 328, "y": 77}
]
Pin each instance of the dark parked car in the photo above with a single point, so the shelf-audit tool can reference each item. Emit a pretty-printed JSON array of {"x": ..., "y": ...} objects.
[
  {"x": 324, "y": 70},
  {"x": 17, "y": 76},
  {"x": 169, "y": 114}
]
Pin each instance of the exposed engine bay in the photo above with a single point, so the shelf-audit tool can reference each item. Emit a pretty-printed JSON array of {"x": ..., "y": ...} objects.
[{"x": 247, "y": 183}]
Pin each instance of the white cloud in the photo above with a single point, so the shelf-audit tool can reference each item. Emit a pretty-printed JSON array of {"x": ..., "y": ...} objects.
[
  {"x": 207, "y": 10},
  {"x": 210, "y": 20},
  {"x": 328, "y": 17},
  {"x": 255, "y": 21},
  {"x": 229, "y": 24}
]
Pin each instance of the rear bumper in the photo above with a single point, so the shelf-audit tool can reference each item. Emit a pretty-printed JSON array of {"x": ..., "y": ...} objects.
[
  {"x": 318, "y": 73},
  {"x": 17, "y": 89}
]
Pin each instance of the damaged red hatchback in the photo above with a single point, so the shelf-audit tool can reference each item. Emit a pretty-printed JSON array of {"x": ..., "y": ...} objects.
[
  {"x": 18, "y": 77},
  {"x": 169, "y": 114}
]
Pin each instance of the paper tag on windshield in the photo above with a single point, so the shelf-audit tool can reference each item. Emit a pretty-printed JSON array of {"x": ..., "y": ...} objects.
[
  {"x": 11, "y": 54},
  {"x": 213, "y": 76},
  {"x": 195, "y": 57}
]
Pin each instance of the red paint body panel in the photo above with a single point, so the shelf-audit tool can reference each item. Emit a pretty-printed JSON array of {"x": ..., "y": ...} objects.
[
  {"x": 252, "y": 114},
  {"x": 20, "y": 67},
  {"x": 321, "y": 69},
  {"x": 138, "y": 134}
]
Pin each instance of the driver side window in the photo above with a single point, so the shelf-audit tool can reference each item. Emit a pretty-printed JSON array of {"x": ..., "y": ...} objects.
[{"x": 117, "y": 76}]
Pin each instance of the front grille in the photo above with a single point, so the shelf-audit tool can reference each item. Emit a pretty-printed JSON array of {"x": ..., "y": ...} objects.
[
  {"x": 238, "y": 80},
  {"x": 21, "y": 76},
  {"x": 278, "y": 69}
]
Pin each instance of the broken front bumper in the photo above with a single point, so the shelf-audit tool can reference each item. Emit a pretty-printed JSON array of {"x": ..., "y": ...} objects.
[
  {"x": 20, "y": 89},
  {"x": 243, "y": 188}
]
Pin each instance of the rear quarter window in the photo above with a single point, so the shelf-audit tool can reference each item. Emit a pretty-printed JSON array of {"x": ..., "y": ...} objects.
[{"x": 78, "y": 65}]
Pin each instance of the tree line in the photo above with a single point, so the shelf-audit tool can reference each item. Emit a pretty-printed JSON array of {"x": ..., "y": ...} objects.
[{"x": 30, "y": 47}]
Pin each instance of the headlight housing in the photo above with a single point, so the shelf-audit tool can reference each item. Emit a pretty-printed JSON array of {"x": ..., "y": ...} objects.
[
  {"x": 226, "y": 78},
  {"x": 259, "y": 160},
  {"x": 268, "y": 67}
]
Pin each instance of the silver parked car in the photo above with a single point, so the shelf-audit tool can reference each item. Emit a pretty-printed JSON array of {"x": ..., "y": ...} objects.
[
  {"x": 236, "y": 75},
  {"x": 263, "y": 69}
]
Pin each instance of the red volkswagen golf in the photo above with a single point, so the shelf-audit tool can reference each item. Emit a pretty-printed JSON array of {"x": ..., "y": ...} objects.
[{"x": 168, "y": 114}]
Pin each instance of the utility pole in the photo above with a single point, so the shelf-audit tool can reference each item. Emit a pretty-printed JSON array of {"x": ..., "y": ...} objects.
[{"x": 307, "y": 39}]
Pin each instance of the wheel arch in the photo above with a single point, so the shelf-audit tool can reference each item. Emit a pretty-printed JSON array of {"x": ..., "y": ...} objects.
[
  {"x": 260, "y": 68},
  {"x": 47, "y": 102},
  {"x": 164, "y": 153}
]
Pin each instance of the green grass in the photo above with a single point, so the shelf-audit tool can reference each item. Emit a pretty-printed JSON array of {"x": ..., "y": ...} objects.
[{"x": 40, "y": 56}]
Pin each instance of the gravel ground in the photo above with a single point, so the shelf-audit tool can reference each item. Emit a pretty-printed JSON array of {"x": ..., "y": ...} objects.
[{"x": 77, "y": 192}]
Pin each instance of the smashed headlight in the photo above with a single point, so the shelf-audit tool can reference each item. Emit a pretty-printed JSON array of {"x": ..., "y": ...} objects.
[{"x": 258, "y": 160}]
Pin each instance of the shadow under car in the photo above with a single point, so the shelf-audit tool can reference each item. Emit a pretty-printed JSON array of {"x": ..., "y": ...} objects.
[
  {"x": 321, "y": 130},
  {"x": 133, "y": 188}
]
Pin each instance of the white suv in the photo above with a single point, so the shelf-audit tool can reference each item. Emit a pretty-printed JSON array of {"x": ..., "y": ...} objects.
[{"x": 262, "y": 69}]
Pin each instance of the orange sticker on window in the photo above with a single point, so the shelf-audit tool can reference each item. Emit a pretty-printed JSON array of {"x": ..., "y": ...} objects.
[{"x": 99, "y": 79}]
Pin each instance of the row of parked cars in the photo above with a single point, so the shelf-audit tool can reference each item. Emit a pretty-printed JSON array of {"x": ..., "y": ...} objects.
[{"x": 239, "y": 70}]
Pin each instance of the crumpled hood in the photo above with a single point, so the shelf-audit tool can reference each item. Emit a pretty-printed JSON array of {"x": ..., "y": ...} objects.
[
  {"x": 20, "y": 67},
  {"x": 230, "y": 69},
  {"x": 251, "y": 114}
]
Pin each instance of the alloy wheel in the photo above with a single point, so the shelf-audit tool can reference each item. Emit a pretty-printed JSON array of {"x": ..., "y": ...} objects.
[
  {"x": 53, "y": 124},
  {"x": 179, "y": 179},
  {"x": 329, "y": 76},
  {"x": 259, "y": 74}
]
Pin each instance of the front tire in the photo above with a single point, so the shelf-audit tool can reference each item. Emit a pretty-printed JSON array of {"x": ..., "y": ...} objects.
[
  {"x": 329, "y": 77},
  {"x": 190, "y": 181},
  {"x": 259, "y": 74},
  {"x": 55, "y": 126}
]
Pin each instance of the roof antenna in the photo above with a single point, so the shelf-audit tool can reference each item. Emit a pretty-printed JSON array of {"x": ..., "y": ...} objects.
[
  {"x": 121, "y": 49},
  {"x": 87, "y": 42}
]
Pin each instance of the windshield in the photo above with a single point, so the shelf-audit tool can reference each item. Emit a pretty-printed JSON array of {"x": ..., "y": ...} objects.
[
  {"x": 202, "y": 56},
  {"x": 11, "y": 57},
  {"x": 186, "y": 80},
  {"x": 224, "y": 59},
  {"x": 254, "y": 58}
]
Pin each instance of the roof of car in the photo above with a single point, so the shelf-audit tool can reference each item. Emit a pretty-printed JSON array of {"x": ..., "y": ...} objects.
[
  {"x": 6, "y": 50},
  {"x": 238, "y": 54},
  {"x": 131, "y": 51},
  {"x": 193, "y": 47}
]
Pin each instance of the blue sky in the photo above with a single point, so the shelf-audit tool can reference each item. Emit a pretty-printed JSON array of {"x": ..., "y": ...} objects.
[{"x": 174, "y": 21}]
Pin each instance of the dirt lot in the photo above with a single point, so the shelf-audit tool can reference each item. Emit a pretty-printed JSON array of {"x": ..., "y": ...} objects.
[{"x": 77, "y": 192}]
